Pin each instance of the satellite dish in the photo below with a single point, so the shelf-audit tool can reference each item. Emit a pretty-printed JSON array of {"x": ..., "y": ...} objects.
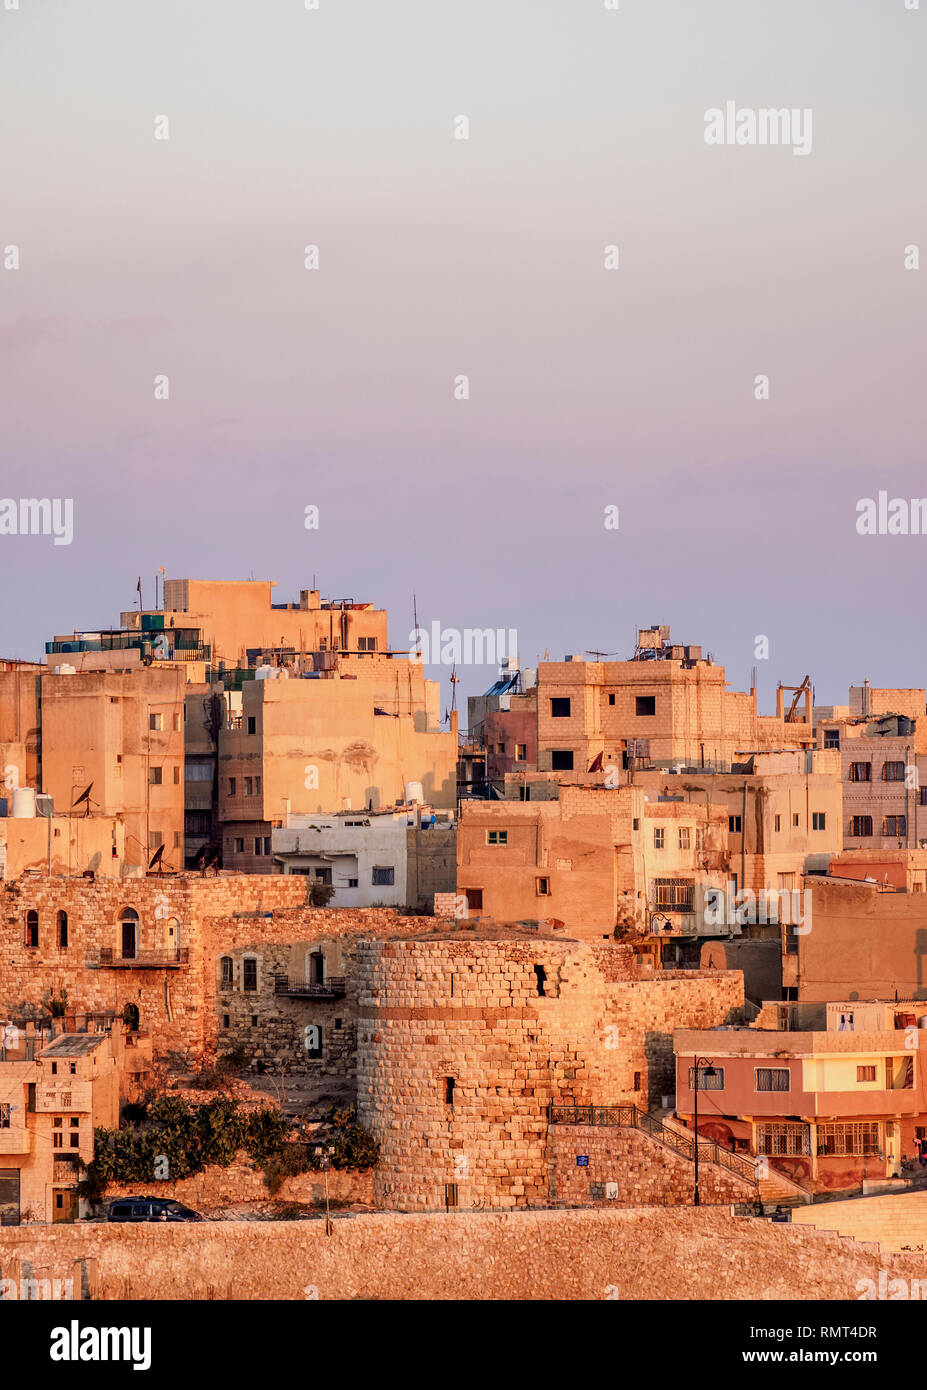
[
  {"x": 84, "y": 796},
  {"x": 156, "y": 858}
]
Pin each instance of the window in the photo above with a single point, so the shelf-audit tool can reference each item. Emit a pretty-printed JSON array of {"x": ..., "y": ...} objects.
[
  {"x": 560, "y": 708},
  {"x": 249, "y": 786},
  {"x": 267, "y": 847},
  {"x": 685, "y": 837},
  {"x": 258, "y": 844},
  {"x": 226, "y": 972},
  {"x": 155, "y": 776},
  {"x": 450, "y": 1194},
  {"x": 715, "y": 1082},
  {"x": 818, "y": 820},
  {"x": 176, "y": 774},
  {"x": 795, "y": 819},
  {"x": 384, "y": 875},
  {"x": 645, "y": 705},
  {"x": 637, "y": 1081},
  {"x": 783, "y": 1140},
  {"x": 659, "y": 837},
  {"x": 156, "y": 721},
  {"x": 831, "y": 738},
  {"x": 500, "y": 749},
  {"x": 777, "y": 824},
  {"x": 673, "y": 894},
  {"x": 866, "y": 1073},
  {"x": 176, "y": 723},
  {"x": 366, "y": 644},
  {"x": 611, "y": 699},
  {"x": 448, "y": 1090},
  {"x": 232, "y": 786},
  {"x": 922, "y": 795},
  {"x": 521, "y": 752},
  {"x": 57, "y": 1139},
  {"x": 239, "y": 845},
  {"x": 257, "y": 786},
  {"x": 226, "y": 1021},
  {"x": 252, "y": 724},
  {"x": 155, "y": 839},
  {"x": 4, "y": 1116},
  {"x": 860, "y": 826},
  {"x": 65, "y": 1100},
  {"x": 893, "y": 772},
  {"x": 860, "y": 1137},
  {"x": 54, "y": 1068},
  {"x": 561, "y": 760},
  {"x": 543, "y": 887},
  {"x": 474, "y": 898},
  {"x": 249, "y": 974},
  {"x": 540, "y": 975},
  {"x": 32, "y": 928},
  {"x": 771, "y": 1079},
  {"x": 735, "y": 825},
  {"x": 894, "y": 825},
  {"x": 860, "y": 772},
  {"x": 497, "y": 837},
  {"x": 73, "y": 1069}
]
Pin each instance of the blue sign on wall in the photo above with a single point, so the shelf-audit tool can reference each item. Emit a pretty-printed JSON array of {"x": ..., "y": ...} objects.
[{"x": 582, "y": 1160}]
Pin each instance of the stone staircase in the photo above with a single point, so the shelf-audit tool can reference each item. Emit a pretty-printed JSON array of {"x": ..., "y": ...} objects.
[{"x": 775, "y": 1190}]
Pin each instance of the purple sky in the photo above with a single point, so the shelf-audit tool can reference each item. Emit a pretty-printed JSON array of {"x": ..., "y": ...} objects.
[{"x": 485, "y": 257}]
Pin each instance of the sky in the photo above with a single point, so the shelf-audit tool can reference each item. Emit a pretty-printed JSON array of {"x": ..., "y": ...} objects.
[{"x": 484, "y": 257}]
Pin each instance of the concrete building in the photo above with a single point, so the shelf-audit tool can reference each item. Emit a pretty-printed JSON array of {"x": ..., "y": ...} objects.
[
  {"x": 835, "y": 1103},
  {"x": 883, "y": 766},
  {"x": 239, "y": 621},
  {"x": 398, "y": 858},
  {"x": 867, "y": 940},
  {"x": 121, "y": 735},
  {"x": 667, "y": 704},
  {"x": 54, "y": 1091},
  {"x": 351, "y": 736}
]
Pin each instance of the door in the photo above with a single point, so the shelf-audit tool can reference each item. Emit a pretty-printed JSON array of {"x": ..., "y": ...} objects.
[
  {"x": 9, "y": 1196},
  {"x": 65, "y": 1205},
  {"x": 892, "y": 1149},
  {"x": 129, "y": 930}
]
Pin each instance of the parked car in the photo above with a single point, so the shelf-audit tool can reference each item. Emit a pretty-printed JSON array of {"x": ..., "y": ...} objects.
[{"x": 150, "y": 1209}]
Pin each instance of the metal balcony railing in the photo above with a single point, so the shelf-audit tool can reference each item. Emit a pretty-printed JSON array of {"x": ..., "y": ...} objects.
[
  {"x": 331, "y": 988},
  {"x": 145, "y": 960}
]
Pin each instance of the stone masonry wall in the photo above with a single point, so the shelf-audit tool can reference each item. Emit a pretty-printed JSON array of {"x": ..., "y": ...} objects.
[
  {"x": 463, "y": 1045},
  {"x": 649, "y": 1254},
  {"x": 644, "y": 1173}
]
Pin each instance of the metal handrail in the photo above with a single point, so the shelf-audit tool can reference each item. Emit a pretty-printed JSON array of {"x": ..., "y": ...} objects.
[{"x": 629, "y": 1116}]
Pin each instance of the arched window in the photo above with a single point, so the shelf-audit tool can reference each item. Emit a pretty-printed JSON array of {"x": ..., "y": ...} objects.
[
  {"x": 130, "y": 1017},
  {"x": 62, "y": 931},
  {"x": 128, "y": 933},
  {"x": 226, "y": 972},
  {"x": 32, "y": 928}
]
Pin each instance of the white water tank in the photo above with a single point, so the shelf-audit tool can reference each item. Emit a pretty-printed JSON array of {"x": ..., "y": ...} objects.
[
  {"x": 414, "y": 793},
  {"x": 65, "y": 670},
  {"x": 24, "y": 803}
]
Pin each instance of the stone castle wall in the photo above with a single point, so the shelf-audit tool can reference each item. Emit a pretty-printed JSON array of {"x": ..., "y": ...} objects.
[{"x": 464, "y": 1044}]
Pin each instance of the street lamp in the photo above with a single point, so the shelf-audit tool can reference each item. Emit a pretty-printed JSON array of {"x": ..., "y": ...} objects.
[{"x": 700, "y": 1062}]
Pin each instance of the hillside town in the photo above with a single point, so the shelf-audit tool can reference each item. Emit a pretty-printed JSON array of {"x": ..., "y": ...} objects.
[{"x": 623, "y": 942}]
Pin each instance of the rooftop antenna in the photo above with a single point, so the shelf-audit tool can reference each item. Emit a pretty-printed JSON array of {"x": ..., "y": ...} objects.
[
  {"x": 593, "y": 652},
  {"x": 454, "y": 679}
]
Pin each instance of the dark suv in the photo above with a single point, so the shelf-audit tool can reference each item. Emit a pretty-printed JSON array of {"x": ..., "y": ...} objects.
[{"x": 150, "y": 1209}]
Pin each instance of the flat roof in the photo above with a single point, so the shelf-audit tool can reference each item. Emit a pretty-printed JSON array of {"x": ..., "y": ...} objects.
[{"x": 73, "y": 1044}]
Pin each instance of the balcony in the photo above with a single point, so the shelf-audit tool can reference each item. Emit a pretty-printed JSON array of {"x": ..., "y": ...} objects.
[
  {"x": 332, "y": 988},
  {"x": 145, "y": 960},
  {"x": 15, "y": 1141}
]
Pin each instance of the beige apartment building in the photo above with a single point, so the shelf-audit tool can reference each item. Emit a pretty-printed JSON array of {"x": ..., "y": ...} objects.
[
  {"x": 360, "y": 734},
  {"x": 881, "y": 739},
  {"x": 667, "y": 704},
  {"x": 236, "y": 617},
  {"x": 53, "y": 1093},
  {"x": 592, "y": 861}
]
